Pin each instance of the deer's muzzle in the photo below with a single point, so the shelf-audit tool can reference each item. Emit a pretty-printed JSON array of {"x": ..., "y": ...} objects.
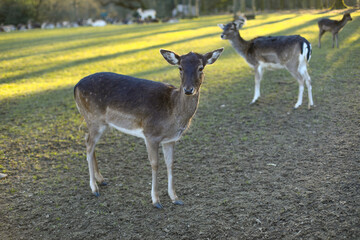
[{"x": 189, "y": 91}]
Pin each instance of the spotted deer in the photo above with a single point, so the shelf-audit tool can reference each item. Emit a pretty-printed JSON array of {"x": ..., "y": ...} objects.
[
  {"x": 289, "y": 52},
  {"x": 327, "y": 25},
  {"x": 157, "y": 112}
]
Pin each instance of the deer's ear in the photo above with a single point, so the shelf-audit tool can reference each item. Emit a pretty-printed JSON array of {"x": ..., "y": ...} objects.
[
  {"x": 239, "y": 23},
  {"x": 170, "y": 57},
  {"x": 211, "y": 57},
  {"x": 221, "y": 26}
]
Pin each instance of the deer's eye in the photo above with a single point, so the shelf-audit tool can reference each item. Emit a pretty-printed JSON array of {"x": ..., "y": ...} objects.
[
  {"x": 180, "y": 68},
  {"x": 201, "y": 69}
]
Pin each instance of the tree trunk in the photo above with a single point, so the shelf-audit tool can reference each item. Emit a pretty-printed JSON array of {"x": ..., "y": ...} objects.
[
  {"x": 183, "y": 8},
  {"x": 243, "y": 6},
  {"x": 339, "y": 4},
  {"x": 197, "y": 8},
  {"x": 235, "y": 8},
  {"x": 262, "y": 5},
  {"x": 190, "y": 9},
  {"x": 253, "y": 6}
]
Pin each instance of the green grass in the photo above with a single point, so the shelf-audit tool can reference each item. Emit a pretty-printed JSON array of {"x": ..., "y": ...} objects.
[
  {"x": 39, "y": 68},
  {"x": 241, "y": 162}
]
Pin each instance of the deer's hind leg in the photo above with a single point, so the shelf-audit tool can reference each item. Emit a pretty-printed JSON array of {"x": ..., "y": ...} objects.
[
  {"x": 337, "y": 39},
  {"x": 333, "y": 42},
  {"x": 309, "y": 88},
  {"x": 95, "y": 132},
  {"x": 302, "y": 76},
  {"x": 320, "y": 35},
  {"x": 295, "y": 72}
]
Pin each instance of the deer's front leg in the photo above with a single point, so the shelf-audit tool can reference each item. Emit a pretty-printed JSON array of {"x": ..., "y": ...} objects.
[
  {"x": 168, "y": 149},
  {"x": 92, "y": 138},
  {"x": 337, "y": 40},
  {"x": 152, "y": 149},
  {"x": 258, "y": 77}
]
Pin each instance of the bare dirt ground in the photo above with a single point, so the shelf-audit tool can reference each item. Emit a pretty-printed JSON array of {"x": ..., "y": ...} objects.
[{"x": 273, "y": 173}]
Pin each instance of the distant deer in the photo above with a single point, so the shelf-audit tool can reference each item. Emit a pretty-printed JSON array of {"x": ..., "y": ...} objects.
[
  {"x": 148, "y": 13},
  {"x": 327, "y": 25},
  {"x": 289, "y": 52},
  {"x": 157, "y": 112}
]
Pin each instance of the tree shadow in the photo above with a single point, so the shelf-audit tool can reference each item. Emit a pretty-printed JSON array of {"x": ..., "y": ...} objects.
[
  {"x": 69, "y": 36},
  {"x": 95, "y": 42},
  {"x": 100, "y": 58}
]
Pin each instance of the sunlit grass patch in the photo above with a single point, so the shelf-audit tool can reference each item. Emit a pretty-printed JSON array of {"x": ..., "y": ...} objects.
[{"x": 37, "y": 60}]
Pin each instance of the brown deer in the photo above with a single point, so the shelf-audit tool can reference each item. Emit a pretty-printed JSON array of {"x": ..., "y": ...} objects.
[
  {"x": 289, "y": 52},
  {"x": 157, "y": 112},
  {"x": 327, "y": 25}
]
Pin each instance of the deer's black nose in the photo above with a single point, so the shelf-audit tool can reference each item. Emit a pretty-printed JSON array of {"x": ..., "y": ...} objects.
[{"x": 189, "y": 91}]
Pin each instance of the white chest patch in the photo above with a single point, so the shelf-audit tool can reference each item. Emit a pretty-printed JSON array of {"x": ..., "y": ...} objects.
[
  {"x": 134, "y": 132},
  {"x": 266, "y": 65}
]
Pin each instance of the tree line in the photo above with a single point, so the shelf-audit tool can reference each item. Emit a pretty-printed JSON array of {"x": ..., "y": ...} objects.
[{"x": 21, "y": 11}]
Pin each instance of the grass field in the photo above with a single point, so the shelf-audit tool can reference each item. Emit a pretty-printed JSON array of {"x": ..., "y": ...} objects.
[{"x": 244, "y": 172}]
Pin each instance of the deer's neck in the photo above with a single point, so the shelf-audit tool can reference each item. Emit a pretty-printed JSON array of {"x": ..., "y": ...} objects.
[
  {"x": 239, "y": 44},
  {"x": 185, "y": 107},
  {"x": 342, "y": 22}
]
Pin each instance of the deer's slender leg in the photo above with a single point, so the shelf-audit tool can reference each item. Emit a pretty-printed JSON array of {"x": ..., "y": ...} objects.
[
  {"x": 152, "y": 149},
  {"x": 333, "y": 40},
  {"x": 309, "y": 88},
  {"x": 298, "y": 74},
  {"x": 168, "y": 149},
  {"x": 337, "y": 40},
  {"x": 99, "y": 178},
  {"x": 301, "y": 92},
  {"x": 320, "y": 35},
  {"x": 258, "y": 76},
  {"x": 92, "y": 138}
]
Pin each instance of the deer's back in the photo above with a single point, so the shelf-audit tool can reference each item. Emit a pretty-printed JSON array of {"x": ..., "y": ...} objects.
[
  {"x": 278, "y": 48},
  {"x": 116, "y": 91},
  {"x": 327, "y": 24}
]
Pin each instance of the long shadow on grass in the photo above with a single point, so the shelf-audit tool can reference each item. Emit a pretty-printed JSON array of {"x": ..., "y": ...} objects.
[
  {"x": 96, "y": 42},
  {"x": 101, "y": 58},
  {"x": 115, "y": 55},
  {"x": 141, "y": 30}
]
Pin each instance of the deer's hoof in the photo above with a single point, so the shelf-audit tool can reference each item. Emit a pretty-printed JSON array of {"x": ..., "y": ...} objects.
[
  {"x": 310, "y": 107},
  {"x": 178, "y": 202},
  {"x": 158, "y": 205},
  {"x": 296, "y": 106},
  {"x": 104, "y": 183},
  {"x": 97, "y": 194}
]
